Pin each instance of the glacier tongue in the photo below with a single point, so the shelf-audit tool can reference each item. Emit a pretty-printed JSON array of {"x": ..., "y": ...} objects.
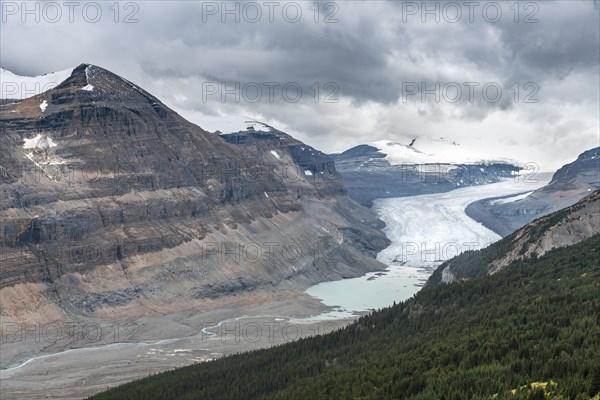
[
  {"x": 425, "y": 231},
  {"x": 428, "y": 229}
]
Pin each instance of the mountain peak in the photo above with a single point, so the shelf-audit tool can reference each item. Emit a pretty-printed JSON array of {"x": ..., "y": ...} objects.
[
  {"x": 89, "y": 80},
  {"x": 81, "y": 67},
  {"x": 84, "y": 87},
  {"x": 91, "y": 83},
  {"x": 94, "y": 78}
]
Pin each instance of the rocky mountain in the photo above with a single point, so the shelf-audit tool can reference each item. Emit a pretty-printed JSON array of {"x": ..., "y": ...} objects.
[
  {"x": 562, "y": 228},
  {"x": 569, "y": 184},
  {"x": 302, "y": 167},
  {"x": 387, "y": 169},
  {"x": 113, "y": 205},
  {"x": 306, "y": 172}
]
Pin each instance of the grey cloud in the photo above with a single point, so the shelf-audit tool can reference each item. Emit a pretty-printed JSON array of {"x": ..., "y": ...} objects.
[{"x": 369, "y": 54}]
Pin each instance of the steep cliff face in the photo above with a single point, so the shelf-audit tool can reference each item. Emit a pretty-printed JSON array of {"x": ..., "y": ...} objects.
[
  {"x": 304, "y": 169},
  {"x": 562, "y": 228},
  {"x": 311, "y": 178},
  {"x": 111, "y": 203},
  {"x": 567, "y": 227},
  {"x": 569, "y": 184}
]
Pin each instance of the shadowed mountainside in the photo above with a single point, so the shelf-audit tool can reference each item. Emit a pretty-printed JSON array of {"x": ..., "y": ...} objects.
[{"x": 568, "y": 185}]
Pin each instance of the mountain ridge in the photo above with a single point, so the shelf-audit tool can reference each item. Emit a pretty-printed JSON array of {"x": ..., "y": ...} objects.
[
  {"x": 370, "y": 173},
  {"x": 568, "y": 185},
  {"x": 114, "y": 206},
  {"x": 565, "y": 227}
]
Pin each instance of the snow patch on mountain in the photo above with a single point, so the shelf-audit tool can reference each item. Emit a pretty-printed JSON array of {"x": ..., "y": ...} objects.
[
  {"x": 21, "y": 87},
  {"x": 41, "y": 142},
  {"x": 511, "y": 199},
  {"x": 231, "y": 124},
  {"x": 38, "y": 153}
]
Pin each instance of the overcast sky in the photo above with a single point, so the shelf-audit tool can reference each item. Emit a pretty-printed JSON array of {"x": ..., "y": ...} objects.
[{"x": 359, "y": 66}]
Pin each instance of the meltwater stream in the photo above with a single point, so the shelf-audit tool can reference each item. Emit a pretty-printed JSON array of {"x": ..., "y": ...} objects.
[{"x": 425, "y": 231}]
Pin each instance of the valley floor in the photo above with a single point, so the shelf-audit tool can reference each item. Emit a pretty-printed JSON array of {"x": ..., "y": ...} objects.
[{"x": 73, "y": 374}]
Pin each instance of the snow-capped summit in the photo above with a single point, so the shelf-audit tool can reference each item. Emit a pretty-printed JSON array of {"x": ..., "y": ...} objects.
[
  {"x": 397, "y": 153},
  {"x": 421, "y": 165},
  {"x": 21, "y": 87},
  {"x": 231, "y": 124},
  {"x": 432, "y": 151}
]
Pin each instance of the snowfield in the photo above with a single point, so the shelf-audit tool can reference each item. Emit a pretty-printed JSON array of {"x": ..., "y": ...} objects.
[
  {"x": 432, "y": 151},
  {"x": 511, "y": 199},
  {"x": 21, "y": 87}
]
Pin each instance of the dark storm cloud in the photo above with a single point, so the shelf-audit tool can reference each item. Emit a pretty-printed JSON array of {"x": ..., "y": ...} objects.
[
  {"x": 370, "y": 54},
  {"x": 352, "y": 55},
  {"x": 565, "y": 39}
]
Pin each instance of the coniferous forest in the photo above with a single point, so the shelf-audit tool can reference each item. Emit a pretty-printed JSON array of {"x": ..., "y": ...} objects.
[{"x": 531, "y": 331}]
